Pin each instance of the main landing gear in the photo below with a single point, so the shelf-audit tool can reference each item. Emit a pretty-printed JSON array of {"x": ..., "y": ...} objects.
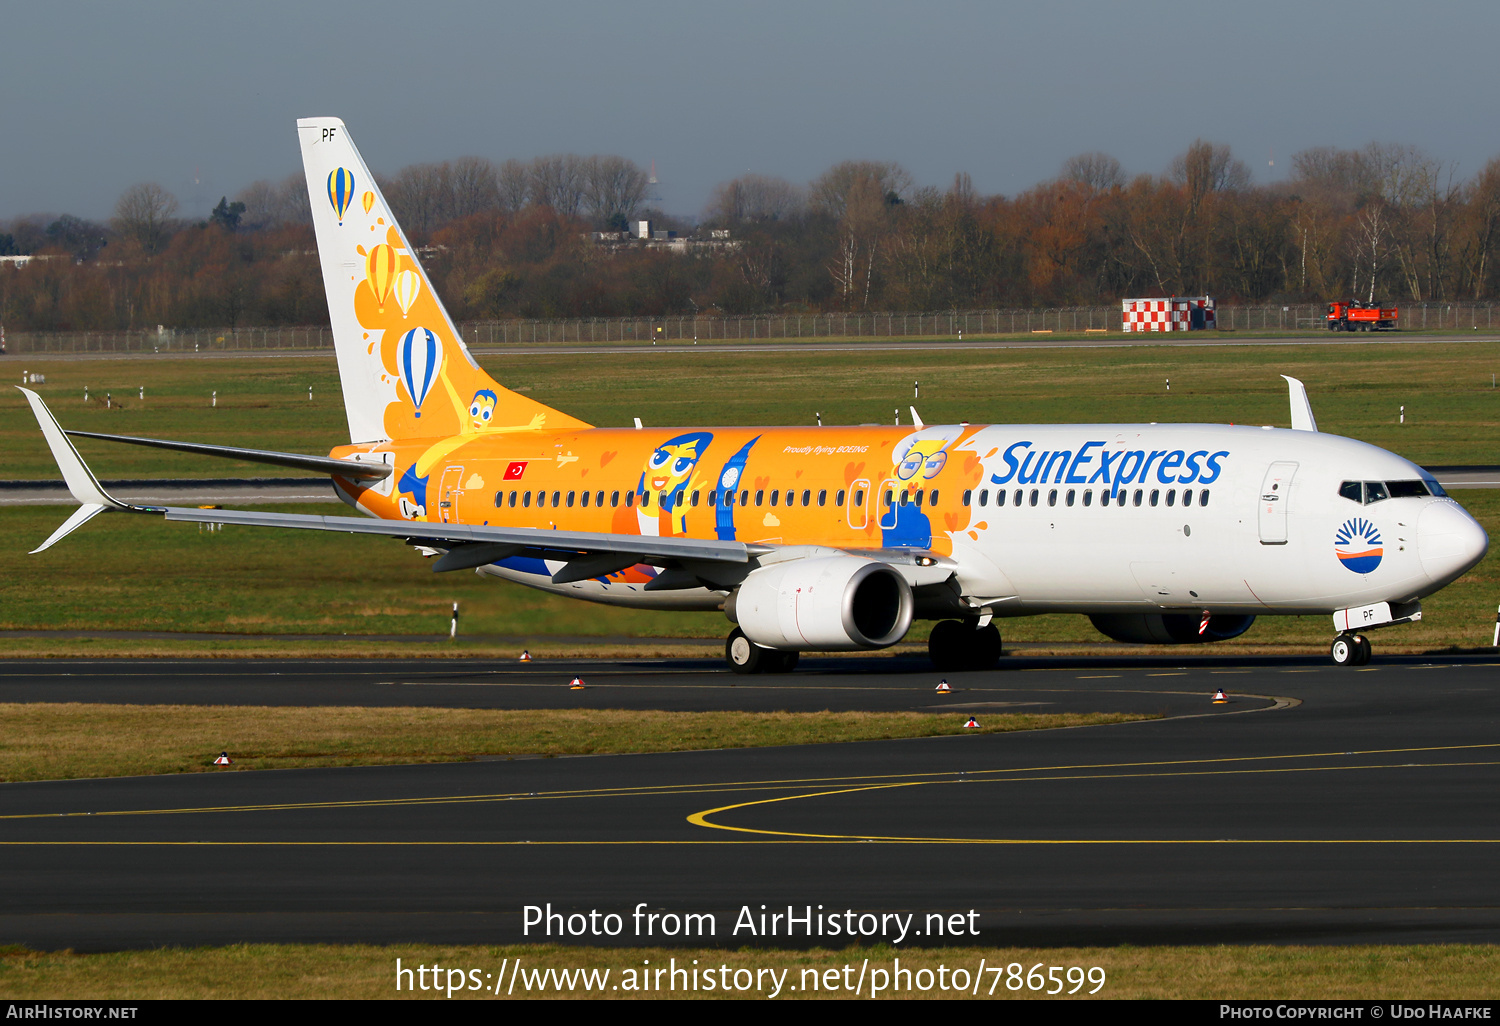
[
  {"x": 745, "y": 656},
  {"x": 956, "y": 645},
  {"x": 1350, "y": 650}
]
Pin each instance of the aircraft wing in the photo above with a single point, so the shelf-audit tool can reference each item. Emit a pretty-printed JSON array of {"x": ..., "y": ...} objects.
[
  {"x": 586, "y": 554},
  {"x": 297, "y": 461}
]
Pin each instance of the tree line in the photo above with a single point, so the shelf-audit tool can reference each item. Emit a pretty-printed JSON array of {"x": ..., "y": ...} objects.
[{"x": 521, "y": 239}]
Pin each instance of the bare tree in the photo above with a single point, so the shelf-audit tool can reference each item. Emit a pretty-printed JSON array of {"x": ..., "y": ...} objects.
[
  {"x": 1098, "y": 172},
  {"x": 421, "y": 197},
  {"x": 559, "y": 182},
  {"x": 1209, "y": 167},
  {"x": 144, "y": 213},
  {"x": 829, "y": 193},
  {"x": 755, "y": 198},
  {"x": 474, "y": 185},
  {"x": 514, "y": 184},
  {"x": 616, "y": 187}
]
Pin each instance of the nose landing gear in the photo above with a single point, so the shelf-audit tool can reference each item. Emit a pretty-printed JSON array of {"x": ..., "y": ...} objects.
[{"x": 1350, "y": 650}]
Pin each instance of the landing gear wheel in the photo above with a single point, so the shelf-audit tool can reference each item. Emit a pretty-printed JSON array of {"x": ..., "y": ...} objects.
[
  {"x": 947, "y": 645},
  {"x": 1362, "y": 643},
  {"x": 955, "y": 645},
  {"x": 744, "y": 656},
  {"x": 1344, "y": 650}
]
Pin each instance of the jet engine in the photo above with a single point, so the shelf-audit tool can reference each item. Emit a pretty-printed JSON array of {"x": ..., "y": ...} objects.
[
  {"x": 827, "y": 603},
  {"x": 1169, "y": 628}
]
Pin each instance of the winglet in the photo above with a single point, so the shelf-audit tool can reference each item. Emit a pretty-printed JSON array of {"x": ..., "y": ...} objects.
[
  {"x": 1302, "y": 414},
  {"x": 916, "y": 419},
  {"x": 80, "y": 479}
]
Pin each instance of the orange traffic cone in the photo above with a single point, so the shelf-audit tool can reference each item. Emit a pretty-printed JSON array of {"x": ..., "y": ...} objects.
[
  {"x": 576, "y": 685},
  {"x": 525, "y": 655},
  {"x": 943, "y": 688},
  {"x": 1220, "y": 698},
  {"x": 223, "y": 760},
  {"x": 971, "y": 722}
]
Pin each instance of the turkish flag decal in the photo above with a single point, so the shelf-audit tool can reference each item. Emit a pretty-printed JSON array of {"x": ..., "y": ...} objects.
[{"x": 515, "y": 470}]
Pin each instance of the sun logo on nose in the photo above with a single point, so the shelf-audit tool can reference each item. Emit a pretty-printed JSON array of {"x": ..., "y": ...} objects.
[{"x": 1357, "y": 544}]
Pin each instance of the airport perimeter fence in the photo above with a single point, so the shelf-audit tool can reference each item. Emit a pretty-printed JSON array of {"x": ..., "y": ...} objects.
[{"x": 1080, "y": 320}]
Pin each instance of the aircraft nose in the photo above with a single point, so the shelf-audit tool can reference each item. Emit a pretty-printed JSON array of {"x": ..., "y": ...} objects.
[{"x": 1449, "y": 541}]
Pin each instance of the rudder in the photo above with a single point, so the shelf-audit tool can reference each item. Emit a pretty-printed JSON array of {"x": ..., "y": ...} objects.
[{"x": 404, "y": 368}]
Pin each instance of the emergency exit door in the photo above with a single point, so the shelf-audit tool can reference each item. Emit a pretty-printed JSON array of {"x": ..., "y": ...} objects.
[{"x": 1275, "y": 498}]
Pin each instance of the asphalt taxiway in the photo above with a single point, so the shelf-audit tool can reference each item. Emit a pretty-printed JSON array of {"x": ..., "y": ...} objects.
[{"x": 1320, "y": 805}]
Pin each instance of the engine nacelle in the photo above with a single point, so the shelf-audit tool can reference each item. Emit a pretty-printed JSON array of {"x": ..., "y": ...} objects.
[
  {"x": 824, "y": 603},
  {"x": 1169, "y": 628}
]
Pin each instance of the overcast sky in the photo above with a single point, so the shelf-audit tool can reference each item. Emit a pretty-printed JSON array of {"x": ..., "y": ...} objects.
[{"x": 203, "y": 97}]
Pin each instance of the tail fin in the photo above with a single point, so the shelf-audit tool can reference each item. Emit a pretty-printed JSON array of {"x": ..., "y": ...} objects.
[{"x": 406, "y": 372}]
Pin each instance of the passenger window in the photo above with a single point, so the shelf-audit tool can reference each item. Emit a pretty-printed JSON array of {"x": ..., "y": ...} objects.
[
  {"x": 614, "y": 499},
  {"x": 499, "y": 498},
  {"x": 1052, "y": 497},
  {"x": 1375, "y": 492},
  {"x": 1352, "y": 490},
  {"x": 583, "y": 499},
  {"x": 696, "y": 497},
  {"x": 1138, "y": 495},
  {"x": 807, "y": 496},
  {"x": 760, "y": 496},
  {"x": 599, "y": 499},
  {"x": 713, "y": 498},
  {"x": 775, "y": 496},
  {"x": 839, "y": 498},
  {"x": 1187, "y": 496},
  {"x": 555, "y": 497},
  {"x": 1071, "y": 494},
  {"x": 968, "y": 496},
  {"x": 571, "y": 497},
  {"x": 645, "y": 500},
  {"x": 1015, "y": 500},
  {"x": 1203, "y": 497},
  {"x": 905, "y": 497},
  {"x": 1155, "y": 496},
  {"x": 511, "y": 501},
  {"x": 1171, "y": 496},
  {"x": 1088, "y": 496},
  {"x": 629, "y": 499},
  {"x": 932, "y": 499},
  {"x": 525, "y": 499},
  {"x": 791, "y": 497},
  {"x": 1122, "y": 498},
  {"x": 1036, "y": 494},
  {"x": 918, "y": 499},
  {"x": 888, "y": 497},
  {"x": 984, "y": 497},
  {"x": 822, "y": 496},
  {"x": 745, "y": 498}
]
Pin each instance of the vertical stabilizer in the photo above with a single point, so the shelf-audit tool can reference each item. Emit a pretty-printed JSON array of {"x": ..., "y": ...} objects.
[{"x": 406, "y": 372}]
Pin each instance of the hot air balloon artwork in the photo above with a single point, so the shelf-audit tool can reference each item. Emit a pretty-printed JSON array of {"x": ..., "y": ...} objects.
[
  {"x": 340, "y": 191},
  {"x": 420, "y": 358},
  {"x": 380, "y": 272},
  {"x": 408, "y": 286},
  {"x": 368, "y": 199}
]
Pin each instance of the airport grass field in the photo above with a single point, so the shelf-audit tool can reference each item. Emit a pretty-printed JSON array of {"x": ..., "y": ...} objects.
[{"x": 140, "y": 574}]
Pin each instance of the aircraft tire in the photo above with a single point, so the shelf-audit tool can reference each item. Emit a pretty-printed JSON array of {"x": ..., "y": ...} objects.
[
  {"x": 947, "y": 646},
  {"x": 984, "y": 648},
  {"x": 1362, "y": 644},
  {"x": 744, "y": 656},
  {"x": 1344, "y": 651}
]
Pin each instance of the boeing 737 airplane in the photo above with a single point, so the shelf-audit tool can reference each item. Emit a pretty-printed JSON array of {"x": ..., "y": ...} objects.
[{"x": 831, "y": 538}]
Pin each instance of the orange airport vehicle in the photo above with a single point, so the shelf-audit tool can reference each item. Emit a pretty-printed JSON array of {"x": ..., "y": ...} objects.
[{"x": 1357, "y": 316}]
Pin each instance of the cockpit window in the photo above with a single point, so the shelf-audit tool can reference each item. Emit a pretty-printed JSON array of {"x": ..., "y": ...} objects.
[
  {"x": 1375, "y": 491},
  {"x": 1434, "y": 487},
  {"x": 1353, "y": 491},
  {"x": 1406, "y": 489}
]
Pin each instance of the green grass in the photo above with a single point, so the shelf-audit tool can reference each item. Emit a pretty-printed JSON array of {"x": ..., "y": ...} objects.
[
  {"x": 64, "y": 741},
  {"x": 1453, "y": 415},
  {"x": 133, "y": 573},
  {"x": 1250, "y": 972}
]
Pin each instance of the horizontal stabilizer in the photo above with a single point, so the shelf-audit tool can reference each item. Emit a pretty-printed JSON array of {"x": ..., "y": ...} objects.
[{"x": 296, "y": 461}]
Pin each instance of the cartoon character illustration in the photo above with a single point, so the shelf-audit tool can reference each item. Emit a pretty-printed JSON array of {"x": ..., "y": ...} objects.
[
  {"x": 668, "y": 477},
  {"x": 729, "y": 479},
  {"x": 917, "y": 460}
]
